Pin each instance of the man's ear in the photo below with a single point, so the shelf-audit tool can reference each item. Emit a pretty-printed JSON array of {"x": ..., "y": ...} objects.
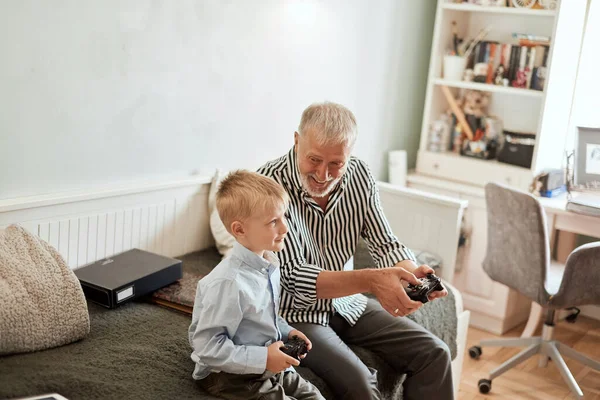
[
  {"x": 237, "y": 229},
  {"x": 296, "y": 137}
]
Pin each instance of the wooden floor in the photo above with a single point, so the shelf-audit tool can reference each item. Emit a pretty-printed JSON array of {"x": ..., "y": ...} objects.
[{"x": 527, "y": 380}]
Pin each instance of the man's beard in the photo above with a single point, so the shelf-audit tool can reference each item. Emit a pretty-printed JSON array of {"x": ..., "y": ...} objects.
[{"x": 306, "y": 184}]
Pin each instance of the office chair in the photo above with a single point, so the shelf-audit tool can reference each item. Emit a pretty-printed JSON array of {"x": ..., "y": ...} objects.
[{"x": 518, "y": 256}]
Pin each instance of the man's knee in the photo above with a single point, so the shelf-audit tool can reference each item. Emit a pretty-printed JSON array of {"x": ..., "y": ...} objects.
[
  {"x": 434, "y": 353},
  {"x": 440, "y": 353},
  {"x": 443, "y": 351},
  {"x": 359, "y": 385}
]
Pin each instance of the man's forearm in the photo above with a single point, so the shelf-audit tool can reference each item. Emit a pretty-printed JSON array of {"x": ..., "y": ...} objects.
[{"x": 333, "y": 284}]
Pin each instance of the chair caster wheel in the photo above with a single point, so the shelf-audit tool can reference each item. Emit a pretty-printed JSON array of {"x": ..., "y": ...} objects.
[
  {"x": 485, "y": 385},
  {"x": 475, "y": 352}
]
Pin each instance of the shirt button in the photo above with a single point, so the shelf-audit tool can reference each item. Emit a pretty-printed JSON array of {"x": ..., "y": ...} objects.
[{"x": 264, "y": 270}]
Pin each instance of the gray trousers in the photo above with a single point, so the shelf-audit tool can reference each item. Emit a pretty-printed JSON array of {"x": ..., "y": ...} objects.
[
  {"x": 402, "y": 343},
  {"x": 268, "y": 386}
]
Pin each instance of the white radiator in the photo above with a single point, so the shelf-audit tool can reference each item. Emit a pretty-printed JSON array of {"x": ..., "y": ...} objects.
[{"x": 169, "y": 219}]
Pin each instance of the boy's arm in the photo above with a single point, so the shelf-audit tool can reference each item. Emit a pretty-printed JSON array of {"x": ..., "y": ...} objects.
[
  {"x": 215, "y": 321},
  {"x": 284, "y": 328}
]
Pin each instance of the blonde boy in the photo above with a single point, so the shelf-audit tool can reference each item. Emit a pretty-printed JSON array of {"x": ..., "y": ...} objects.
[{"x": 236, "y": 333}]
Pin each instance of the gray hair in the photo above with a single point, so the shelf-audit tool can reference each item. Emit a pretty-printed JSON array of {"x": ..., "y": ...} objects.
[{"x": 333, "y": 123}]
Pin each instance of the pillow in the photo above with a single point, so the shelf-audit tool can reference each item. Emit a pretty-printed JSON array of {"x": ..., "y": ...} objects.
[
  {"x": 223, "y": 240},
  {"x": 363, "y": 259},
  {"x": 42, "y": 303},
  {"x": 425, "y": 257}
]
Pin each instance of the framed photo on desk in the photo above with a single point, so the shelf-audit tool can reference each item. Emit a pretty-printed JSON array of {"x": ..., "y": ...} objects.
[{"x": 587, "y": 158}]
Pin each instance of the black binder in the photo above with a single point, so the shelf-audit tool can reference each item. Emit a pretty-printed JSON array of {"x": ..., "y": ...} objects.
[{"x": 126, "y": 276}]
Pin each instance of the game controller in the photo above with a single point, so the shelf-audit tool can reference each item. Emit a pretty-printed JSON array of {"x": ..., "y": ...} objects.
[
  {"x": 421, "y": 292},
  {"x": 295, "y": 347}
]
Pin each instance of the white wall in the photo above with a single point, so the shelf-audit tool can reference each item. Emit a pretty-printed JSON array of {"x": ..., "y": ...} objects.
[
  {"x": 108, "y": 91},
  {"x": 587, "y": 92},
  {"x": 584, "y": 111}
]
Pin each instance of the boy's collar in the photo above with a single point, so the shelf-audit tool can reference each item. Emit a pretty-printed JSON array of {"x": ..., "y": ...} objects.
[{"x": 254, "y": 260}]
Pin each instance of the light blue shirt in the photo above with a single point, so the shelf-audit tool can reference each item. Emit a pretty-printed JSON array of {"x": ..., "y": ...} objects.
[{"x": 236, "y": 316}]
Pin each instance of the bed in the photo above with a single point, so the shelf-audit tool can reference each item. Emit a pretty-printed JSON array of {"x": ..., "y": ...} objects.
[{"x": 140, "y": 350}]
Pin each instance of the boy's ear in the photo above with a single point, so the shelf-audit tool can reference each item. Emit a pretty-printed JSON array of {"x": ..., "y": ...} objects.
[{"x": 237, "y": 229}]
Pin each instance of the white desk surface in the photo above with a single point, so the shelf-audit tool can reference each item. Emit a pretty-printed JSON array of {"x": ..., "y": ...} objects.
[
  {"x": 556, "y": 205},
  {"x": 568, "y": 220}
]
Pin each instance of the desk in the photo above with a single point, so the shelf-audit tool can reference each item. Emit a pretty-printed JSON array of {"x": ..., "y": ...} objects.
[
  {"x": 569, "y": 224},
  {"x": 559, "y": 219}
]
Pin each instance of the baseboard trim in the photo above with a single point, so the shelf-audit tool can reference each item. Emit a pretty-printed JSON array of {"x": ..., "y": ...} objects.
[
  {"x": 495, "y": 325},
  {"x": 590, "y": 312}
]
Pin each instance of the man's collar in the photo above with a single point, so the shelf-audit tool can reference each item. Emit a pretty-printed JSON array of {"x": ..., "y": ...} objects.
[
  {"x": 293, "y": 170},
  {"x": 253, "y": 260}
]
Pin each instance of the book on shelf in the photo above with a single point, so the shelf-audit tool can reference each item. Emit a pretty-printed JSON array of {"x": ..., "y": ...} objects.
[{"x": 523, "y": 63}]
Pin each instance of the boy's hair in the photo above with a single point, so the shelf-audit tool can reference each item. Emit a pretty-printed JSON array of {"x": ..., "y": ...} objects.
[{"x": 243, "y": 193}]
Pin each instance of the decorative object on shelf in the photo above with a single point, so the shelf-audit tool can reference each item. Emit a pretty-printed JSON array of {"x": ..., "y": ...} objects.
[
  {"x": 549, "y": 4},
  {"x": 517, "y": 149},
  {"x": 454, "y": 67},
  {"x": 456, "y": 109},
  {"x": 480, "y": 135},
  {"x": 495, "y": 3},
  {"x": 467, "y": 46},
  {"x": 499, "y": 75},
  {"x": 469, "y": 75},
  {"x": 523, "y": 3},
  {"x": 486, "y": 147},
  {"x": 549, "y": 183},
  {"x": 439, "y": 134},
  {"x": 538, "y": 78},
  {"x": 480, "y": 72}
]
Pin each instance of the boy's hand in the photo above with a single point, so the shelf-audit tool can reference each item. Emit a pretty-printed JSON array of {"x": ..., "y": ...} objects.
[
  {"x": 296, "y": 332},
  {"x": 278, "y": 361}
]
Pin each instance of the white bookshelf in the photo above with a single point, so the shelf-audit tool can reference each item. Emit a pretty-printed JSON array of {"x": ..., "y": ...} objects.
[
  {"x": 498, "y": 10},
  {"x": 488, "y": 88},
  {"x": 545, "y": 113}
]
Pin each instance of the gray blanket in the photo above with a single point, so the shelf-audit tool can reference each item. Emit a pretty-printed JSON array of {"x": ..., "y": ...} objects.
[{"x": 140, "y": 351}]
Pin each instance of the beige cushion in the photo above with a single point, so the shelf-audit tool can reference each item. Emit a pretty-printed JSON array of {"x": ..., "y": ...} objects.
[
  {"x": 223, "y": 240},
  {"x": 41, "y": 302}
]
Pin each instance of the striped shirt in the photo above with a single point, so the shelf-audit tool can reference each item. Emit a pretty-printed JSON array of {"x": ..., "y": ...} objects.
[{"x": 326, "y": 240}]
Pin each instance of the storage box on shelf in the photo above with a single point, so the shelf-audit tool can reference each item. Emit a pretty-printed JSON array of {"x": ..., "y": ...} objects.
[{"x": 545, "y": 113}]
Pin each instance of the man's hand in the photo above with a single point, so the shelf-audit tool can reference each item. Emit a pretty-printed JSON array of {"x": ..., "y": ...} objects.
[
  {"x": 421, "y": 272},
  {"x": 296, "y": 332},
  {"x": 386, "y": 285},
  {"x": 277, "y": 360}
]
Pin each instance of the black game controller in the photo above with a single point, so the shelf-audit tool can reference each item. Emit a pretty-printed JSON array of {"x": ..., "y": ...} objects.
[
  {"x": 295, "y": 347},
  {"x": 421, "y": 292}
]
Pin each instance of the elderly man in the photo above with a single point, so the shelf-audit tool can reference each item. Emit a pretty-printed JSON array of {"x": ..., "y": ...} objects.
[{"x": 333, "y": 201}]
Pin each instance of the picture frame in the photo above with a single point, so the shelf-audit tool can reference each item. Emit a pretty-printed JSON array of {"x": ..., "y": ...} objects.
[{"x": 587, "y": 158}]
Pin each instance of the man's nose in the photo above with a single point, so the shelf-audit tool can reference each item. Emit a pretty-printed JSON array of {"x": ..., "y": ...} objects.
[{"x": 323, "y": 173}]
